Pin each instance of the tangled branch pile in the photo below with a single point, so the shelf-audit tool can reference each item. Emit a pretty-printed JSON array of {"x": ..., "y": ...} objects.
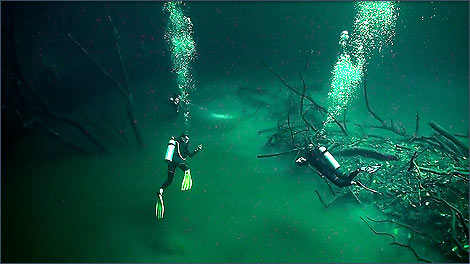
[{"x": 423, "y": 180}]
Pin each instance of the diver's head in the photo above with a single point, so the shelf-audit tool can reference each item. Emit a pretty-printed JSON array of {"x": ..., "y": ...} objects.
[
  {"x": 310, "y": 146},
  {"x": 344, "y": 35},
  {"x": 343, "y": 39},
  {"x": 185, "y": 137}
]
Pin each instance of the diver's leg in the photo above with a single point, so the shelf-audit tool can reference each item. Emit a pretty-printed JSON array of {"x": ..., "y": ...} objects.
[
  {"x": 160, "y": 207},
  {"x": 183, "y": 167},
  {"x": 187, "y": 181},
  {"x": 353, "y": 174},
  {"x": 171, "y": 175},
  {"x": 340, "y": 180}
]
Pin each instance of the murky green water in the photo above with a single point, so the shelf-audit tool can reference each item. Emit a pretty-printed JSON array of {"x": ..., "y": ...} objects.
[{"x": 57, "y": 207}]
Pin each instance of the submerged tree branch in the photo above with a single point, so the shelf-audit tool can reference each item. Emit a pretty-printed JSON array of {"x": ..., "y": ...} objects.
[
  {"x": 129, "y": 97},
  {"x": 384, "y": 125},
  {"x": 395, "y": 242},
  {"x": 406, "y": 226},
  {"x": 277, "y": 154},
  {"x": 449, "y": 136},
  {"x": 320, "y": 108},
  {"x": 323, "y": 203}
]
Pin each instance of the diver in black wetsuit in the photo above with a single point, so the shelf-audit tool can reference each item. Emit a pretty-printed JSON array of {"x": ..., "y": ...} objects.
[
  {"x": 175, "y": 101},
  {"x": 177, "y": 153},
  {"x": 328, "y": 167},
  {"x": 180, "y": 155}
]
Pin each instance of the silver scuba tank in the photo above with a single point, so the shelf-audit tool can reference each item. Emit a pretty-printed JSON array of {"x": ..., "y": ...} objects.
[
  {"x": 329, "y": 157},
  {"x": 170, "y": 150}
]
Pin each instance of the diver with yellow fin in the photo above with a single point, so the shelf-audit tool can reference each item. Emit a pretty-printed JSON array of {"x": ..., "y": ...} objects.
[{"x": 176, "y": 155}]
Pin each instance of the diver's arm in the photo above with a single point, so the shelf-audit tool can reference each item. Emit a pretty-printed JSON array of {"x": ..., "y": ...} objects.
[{"x": 192, "y": 153}]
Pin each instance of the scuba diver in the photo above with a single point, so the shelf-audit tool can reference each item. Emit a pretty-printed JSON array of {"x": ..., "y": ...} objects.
[
  {"x": 327, "y": 166},
  {"x": 176, "y": 155},
  {"x": 175, "y": 101},
  {"x": 343, "y": 41}
]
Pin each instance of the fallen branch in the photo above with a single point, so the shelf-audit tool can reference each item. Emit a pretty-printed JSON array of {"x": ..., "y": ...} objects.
[
  {"x": 454, "y": 235},
  {"x": 358, "y": 183},
  {"x": 354, "y": 195},
  {"x": 412, "y": 163},
  {"x": 25, "y": 109},
  {"x": 107, "y": 120},
  {"x": 324, "y": 179},
  {"x": 384, "y": 125},
  {"x": 321, "y": 200},
  {"x": 417, "y": 125},
  {"x": 290, "y": 129},
  {"x": 320, "y": 108},
  {"x": 367, "y": 152},
  {"x": 129, "y": 97},
  {"x": 302, "y": 107},
  {"x": 461, "y": 135},
  {"x": 448, "y": 171},
  {"x": 457, "y": 211},
  {"x": 47, "y": 111},
  {"x": 277, "y": 154},
  {"x": 448, "y": 145},
  {"x": 449, "y": 136},
  {"x": 406, "y": 226},
  {"x": 395, "y": 242},
  {"x": 75, "y": 41},
  {"x": 276, "y": 129},
  {"x": 57, "y": 136}
]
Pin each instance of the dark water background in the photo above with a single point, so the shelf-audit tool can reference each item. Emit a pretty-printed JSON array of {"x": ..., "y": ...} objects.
[{"x": 58, "y": 206}]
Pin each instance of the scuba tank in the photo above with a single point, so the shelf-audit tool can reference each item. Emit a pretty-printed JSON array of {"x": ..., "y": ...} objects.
[
  {"x": 170, "y": 150},
  {"x": 329, "y": 157}
]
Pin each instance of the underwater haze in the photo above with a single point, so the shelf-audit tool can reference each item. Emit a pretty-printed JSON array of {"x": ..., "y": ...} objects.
[{"x": 86, "y": 121}]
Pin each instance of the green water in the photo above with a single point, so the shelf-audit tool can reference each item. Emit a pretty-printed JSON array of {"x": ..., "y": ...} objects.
[
  {"x": 60, "y": 207},
  {"x": 240, "y": 209}
]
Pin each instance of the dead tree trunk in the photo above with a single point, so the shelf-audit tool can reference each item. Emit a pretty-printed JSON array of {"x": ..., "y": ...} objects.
[
  {"x": 30, "y": 116},
  {"x": 124, "y": 91},
  {"x": 128, "y": 95}
]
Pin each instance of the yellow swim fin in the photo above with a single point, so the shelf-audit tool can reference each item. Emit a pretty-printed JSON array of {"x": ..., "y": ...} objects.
[{"x": 187, "y": 181}]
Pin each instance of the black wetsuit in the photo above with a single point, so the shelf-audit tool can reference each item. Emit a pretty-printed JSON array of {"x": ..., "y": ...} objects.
[
  {"x": 179, "y": 160},
  {"x": 175, "y": 102},
  {"x": 318, "y": 160}
]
